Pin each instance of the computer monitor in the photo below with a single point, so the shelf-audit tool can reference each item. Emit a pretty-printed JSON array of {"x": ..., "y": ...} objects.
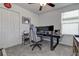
[{"x": 45, "y": 28}]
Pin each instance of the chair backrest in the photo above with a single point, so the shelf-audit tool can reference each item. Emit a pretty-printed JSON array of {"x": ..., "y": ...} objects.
[{"x": 33, "y": 34}]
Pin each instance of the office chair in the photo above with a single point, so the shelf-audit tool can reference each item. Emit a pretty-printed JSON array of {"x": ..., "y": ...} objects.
[{"x": 34, "y": 38}]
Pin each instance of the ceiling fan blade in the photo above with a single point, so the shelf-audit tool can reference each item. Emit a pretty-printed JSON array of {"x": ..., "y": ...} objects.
[
  {"x": 40, "y": 8},
  {"x": 31, "y": 3},
  {"x": 50, "y": 4}
]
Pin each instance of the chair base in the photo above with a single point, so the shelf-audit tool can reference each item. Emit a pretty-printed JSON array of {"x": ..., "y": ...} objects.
[{"x": 36, "y": 45}]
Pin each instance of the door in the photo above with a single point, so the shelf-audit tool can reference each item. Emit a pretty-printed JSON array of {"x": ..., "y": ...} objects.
[
  {"x": 0, "y": 31},
  {"x": 10, "y": 26}
]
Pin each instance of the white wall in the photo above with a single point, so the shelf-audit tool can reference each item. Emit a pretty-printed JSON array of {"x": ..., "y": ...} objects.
[
  {"x": 67, "y": 40},
  {"x": 50, "y": 18},
  {"x": 54, "y": 18},
  {"x": 26, "y": 13},
  {"x": 0, "y": 30}
]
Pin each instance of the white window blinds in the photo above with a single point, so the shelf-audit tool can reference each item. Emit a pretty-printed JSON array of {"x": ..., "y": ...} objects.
[{"x": 70, "y": 22}]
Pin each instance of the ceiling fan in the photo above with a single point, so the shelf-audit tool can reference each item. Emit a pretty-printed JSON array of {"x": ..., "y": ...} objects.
[{"x": 44, "y": 4}]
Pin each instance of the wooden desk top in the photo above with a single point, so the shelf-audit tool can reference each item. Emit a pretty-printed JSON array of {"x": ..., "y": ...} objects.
[{"x": 77, "y": 38}]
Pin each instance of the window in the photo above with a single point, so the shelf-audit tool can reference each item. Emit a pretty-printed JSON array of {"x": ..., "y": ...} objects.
[{"x": 70, "y": 22}]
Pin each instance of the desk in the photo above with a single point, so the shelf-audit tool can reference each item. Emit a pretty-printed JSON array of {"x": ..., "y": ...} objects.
[
  {"x": 76, "y": 45},
  {"x": 52, "y": 47}
]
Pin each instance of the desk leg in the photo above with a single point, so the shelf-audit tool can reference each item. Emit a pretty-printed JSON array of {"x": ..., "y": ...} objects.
[
  {"x": 51, "y": 43},
  {"x": 56, "y": 43}
]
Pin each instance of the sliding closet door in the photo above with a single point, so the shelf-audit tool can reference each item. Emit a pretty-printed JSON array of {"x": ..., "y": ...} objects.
[
  {"x": 0, "y": 31},
  {"x": 10, "y": 28}
]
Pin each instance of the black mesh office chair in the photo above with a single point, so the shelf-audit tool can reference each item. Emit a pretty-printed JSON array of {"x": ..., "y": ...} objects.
[{"x": 36, "y": 42}]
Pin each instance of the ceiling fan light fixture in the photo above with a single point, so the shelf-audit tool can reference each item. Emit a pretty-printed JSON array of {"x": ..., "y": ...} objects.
[{"x": 42, "y": 4}]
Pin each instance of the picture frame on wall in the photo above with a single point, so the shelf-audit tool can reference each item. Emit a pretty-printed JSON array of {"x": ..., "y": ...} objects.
[{"x": 25, "y": 20}]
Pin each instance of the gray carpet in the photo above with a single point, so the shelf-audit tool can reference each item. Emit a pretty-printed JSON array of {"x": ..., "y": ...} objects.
[{"x": 26, "y": 50}]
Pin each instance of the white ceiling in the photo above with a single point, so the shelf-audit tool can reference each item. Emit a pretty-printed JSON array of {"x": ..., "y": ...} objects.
[{"x": 35, "y": 7}]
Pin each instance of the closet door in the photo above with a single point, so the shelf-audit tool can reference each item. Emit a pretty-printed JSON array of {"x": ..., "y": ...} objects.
[
  {"x": 0, "y": 31},
  {"x": 10, "y": 28}
]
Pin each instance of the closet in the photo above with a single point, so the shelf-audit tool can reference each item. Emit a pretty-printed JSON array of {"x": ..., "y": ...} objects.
[{"x": 9, "y": 28}]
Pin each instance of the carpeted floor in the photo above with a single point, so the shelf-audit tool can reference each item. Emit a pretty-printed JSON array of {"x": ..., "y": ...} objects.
[{"x": 25, "y": 50}]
